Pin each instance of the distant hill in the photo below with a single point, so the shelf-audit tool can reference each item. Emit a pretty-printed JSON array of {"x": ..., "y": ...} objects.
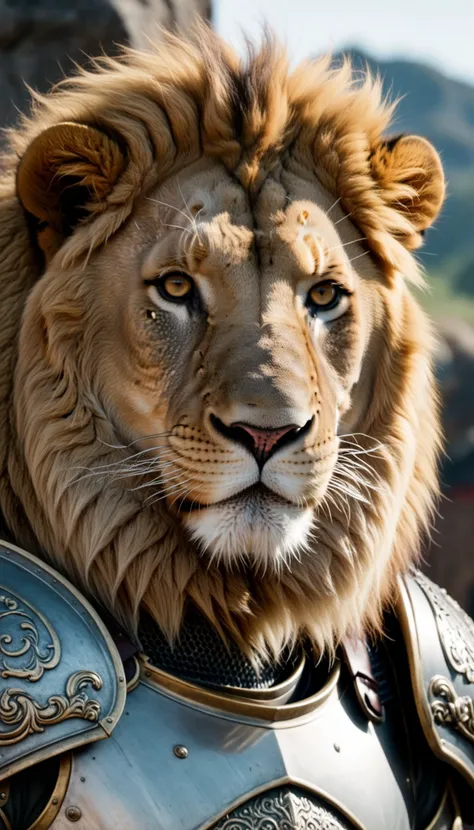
[{"x": 441, "y": 109}]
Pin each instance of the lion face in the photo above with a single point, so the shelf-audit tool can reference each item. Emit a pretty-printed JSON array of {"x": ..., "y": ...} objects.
[
  {"x": 227, "y": 345},
  {"x": 223, "y": 389}
]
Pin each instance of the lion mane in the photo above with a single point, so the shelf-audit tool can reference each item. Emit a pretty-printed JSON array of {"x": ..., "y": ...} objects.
[{"x": 157, "y": 112}]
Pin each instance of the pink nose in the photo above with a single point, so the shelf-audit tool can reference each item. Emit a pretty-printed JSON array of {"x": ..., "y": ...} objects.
[{"x": 265, "y": 439}]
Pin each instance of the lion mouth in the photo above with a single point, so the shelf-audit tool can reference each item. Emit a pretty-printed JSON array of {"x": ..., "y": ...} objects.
[{"x": 255, "y": 493}]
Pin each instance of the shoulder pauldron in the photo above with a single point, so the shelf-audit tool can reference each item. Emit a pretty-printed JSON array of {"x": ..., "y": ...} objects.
[
  {"x": 61, "y": 678},
  {"x": 439, "y": 637}
]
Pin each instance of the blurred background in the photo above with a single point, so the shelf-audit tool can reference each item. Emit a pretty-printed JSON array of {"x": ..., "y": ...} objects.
[{"x": 423, "y": 51}]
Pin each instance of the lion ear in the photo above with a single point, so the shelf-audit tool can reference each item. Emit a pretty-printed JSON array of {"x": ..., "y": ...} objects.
[
  {"x": 408, "y": 169},
  {"x": 63, "y": 176}
]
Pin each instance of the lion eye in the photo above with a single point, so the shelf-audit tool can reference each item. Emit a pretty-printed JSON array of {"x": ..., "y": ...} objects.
[
  {"x": 327, "y": 300},
  {"x": 324, "y": 295},
  {"x": 176, "y": 286}
]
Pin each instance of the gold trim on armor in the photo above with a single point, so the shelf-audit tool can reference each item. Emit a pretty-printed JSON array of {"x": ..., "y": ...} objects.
[
  {"x": 263, "y": 711},
  {"x": 439, "y": 812},
  {"x": 5, "y": 820},
  {"x": 407, "y": 622},
  {"x": 46, "y": 818},
  {"x": 29, "y": 716},
  {"x": 458, "y": 822},
  {"x": 4, "y": 795},
  {"x": 15, "y": 606},
  {"x": 450, "y": 708},
  {"x": 104, "y": 726},
  {"x": 274, "y": 694},
  {"x": 58, "y": 577},
  {"x": 135, "y": 680}
]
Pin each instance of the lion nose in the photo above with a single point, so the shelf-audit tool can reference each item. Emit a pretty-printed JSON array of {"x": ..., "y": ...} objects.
[{"x": 262, "y": 443}]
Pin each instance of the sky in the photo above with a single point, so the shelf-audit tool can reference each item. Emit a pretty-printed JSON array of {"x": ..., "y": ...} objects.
[{"x": 438, "y": 32}]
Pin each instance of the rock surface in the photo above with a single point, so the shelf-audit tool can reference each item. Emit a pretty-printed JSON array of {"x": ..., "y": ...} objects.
[{"x": 40, "y": 39}]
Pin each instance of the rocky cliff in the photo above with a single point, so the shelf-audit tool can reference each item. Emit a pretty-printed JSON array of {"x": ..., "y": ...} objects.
[{"x": 40, "y": 40}]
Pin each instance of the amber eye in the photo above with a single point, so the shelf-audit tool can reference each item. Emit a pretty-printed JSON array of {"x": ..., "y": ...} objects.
[
  {"x": 324, "y": 296},
  {"x": 175, "y": 286}
]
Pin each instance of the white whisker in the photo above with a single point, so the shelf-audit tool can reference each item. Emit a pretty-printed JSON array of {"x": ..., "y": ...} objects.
[
  {"x": 333, "y": 206},
  {"x": 345, "y": 244},
  {"x": 346, "y": 216},
  {"x": 171, "y": 207},
  {"x": 178, "y": 227},
  {"x": 359, "y": 256}
]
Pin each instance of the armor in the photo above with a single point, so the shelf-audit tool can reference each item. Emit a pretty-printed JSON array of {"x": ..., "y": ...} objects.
[{"x": 381, "y": 738}]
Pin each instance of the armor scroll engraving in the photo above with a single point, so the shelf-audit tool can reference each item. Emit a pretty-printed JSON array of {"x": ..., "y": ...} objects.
[
  {"x": 451, "y": 709},
  {"x": 31, "y": 645},
  {"x": 283, "y": 809},
  {"x": 28, "y": 716},
  {"x": 455, "y": 628}
]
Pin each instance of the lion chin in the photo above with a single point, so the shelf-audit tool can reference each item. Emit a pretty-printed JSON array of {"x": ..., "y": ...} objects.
[{"x": 256, "y": 525}]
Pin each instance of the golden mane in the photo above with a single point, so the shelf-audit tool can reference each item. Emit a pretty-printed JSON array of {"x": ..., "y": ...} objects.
[
  {"x": 188, "y": 98},
  {"x": 166, "y": 108}
]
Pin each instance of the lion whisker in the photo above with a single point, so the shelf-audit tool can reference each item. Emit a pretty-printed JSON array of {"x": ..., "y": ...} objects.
[
  {"x": 346, "y": 463},
  {"x": 192, "y": 218},
  {"x": 356, "y": 481},
  {"x": 359, "y": 256},
  {"x": 154, "y": 497},
  {"x": 347, "y": 457},
  {"x": 344, "y": 507},
  {"x": 171, "y": 207},
  {"x": 136, "y": 455},
  {"x": 333, "y": 206},
  {"x": 345, "y": 244},
  {"x": 173, "y": 475},
  {"x": 165, "y": 434},
  {"x": 178, "y": 227},
  {"x": 346, "y": 216},
  {"x": 348, "y": 435}
]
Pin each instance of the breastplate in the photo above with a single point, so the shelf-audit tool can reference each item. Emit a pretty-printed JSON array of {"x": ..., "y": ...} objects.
[
  {"x": 183, "y": 757},
  {"x": 299, "y": 752}
]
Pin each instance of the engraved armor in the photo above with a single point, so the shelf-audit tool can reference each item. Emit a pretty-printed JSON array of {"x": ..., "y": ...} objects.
[{"x": 301, "y": 750}]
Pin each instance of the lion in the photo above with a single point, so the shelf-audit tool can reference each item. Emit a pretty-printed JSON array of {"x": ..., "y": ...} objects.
[
  {"x": 217, "y": 386},
  {"x": 219, "y": 440}
]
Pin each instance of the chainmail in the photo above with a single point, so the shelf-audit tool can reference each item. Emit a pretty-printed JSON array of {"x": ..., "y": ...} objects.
[{"x": 201, "y": 656}]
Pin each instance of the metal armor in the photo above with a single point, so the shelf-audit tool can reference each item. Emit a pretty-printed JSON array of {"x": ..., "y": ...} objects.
[{"x": 87, "y": 741}]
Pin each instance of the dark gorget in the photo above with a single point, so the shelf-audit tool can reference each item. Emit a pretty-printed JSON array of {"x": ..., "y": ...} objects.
[{"x": 200, "y": 655}]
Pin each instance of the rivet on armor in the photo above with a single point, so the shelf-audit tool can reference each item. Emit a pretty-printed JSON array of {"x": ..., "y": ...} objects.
[
  {"x": 54, "y": 801},
  {"x": 109, "y": 720},
  {"x": 83, "y": 778},
  {"x": 337, "y": 747},
  {"x": 73, "y": 813},
  {"x": 3, "y": 796},
  {"x": 180, "y": 751}
]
